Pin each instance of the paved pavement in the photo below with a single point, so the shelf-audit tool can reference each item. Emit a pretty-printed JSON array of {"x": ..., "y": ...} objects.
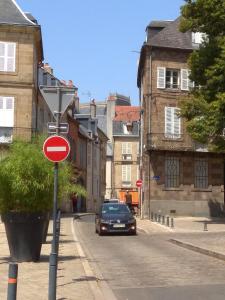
[
  {"x": 203, "y": 235},
  {"x": 73, "y": 282}
]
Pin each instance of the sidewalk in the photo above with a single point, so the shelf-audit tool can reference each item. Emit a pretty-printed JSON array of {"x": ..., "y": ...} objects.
[
  {"x": 188, "y": 232},
  {"x": 72, "y": 282}
]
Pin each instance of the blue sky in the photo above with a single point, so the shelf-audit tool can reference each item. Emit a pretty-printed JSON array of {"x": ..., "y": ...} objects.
[{"x": 94, "y": 43}]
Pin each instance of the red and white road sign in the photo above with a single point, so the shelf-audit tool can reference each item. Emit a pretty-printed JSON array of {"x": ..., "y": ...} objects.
[
  {"x": 139, "y": 183},
  {"x": 56, "y": 148}
]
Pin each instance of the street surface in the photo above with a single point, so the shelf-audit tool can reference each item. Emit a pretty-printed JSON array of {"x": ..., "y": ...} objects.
[{"x": 149, "y": 267}]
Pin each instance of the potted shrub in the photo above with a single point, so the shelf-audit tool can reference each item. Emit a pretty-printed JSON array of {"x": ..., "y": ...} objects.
[{"x": 26, "y": 196}]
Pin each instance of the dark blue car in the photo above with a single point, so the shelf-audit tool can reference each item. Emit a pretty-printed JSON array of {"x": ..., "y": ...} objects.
[{"x": 115, "y": 217}]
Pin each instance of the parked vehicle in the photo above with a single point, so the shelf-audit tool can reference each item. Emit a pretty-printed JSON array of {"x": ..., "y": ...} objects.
[
  {"x": 113, "y": 200},
  {"x": 115, "y": 217}
]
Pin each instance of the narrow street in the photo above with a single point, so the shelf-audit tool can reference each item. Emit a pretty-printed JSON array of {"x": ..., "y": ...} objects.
[{"x": 148, "y": 267}]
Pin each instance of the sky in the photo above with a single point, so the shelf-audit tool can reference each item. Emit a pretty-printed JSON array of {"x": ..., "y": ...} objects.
[{"x": 97, "y": 43}]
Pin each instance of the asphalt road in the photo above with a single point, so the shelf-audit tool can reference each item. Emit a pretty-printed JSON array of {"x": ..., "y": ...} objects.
[{"x": 149, "y": 267}]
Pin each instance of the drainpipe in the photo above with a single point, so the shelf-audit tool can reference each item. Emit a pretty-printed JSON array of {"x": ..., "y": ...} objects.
[{"x": 149, "y": 125}]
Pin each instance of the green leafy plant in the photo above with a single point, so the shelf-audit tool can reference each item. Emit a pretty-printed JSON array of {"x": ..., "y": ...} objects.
[{"x": 27, "y": 179}]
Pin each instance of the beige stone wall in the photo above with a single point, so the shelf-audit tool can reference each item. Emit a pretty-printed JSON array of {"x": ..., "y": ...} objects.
[
  {"x": 22, "y": 84},
  {"x": 118, "y": 162}
]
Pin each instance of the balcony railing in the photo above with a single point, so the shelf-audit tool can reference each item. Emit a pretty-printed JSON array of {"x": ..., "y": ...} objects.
[{"x": 181, "y": 142}]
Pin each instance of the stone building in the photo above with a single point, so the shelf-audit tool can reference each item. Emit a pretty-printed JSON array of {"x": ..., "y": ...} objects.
[
  {"x": 125, "y": 167},
  {"x": 21, "y": 53},
  {"x": 180, "y": 176}
]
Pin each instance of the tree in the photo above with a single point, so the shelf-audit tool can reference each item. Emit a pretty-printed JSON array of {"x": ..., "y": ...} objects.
[{"x": 204, "y": 109}]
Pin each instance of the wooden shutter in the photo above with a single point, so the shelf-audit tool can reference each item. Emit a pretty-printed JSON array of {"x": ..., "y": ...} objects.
[
  {"x": 172, "y": 122},
  {"x": 7, "y": 111},
  {"x": 161, "y": 78},
  {"x": 129, "y": 148},
  {"x": 10, "y": 64},
  {"x": 176, "y": 123},
  {"x": 168, "y": 121},
  {"x": 2, "y": 56},
  {"x": 184, "y": 79},
  {"x": 124, "y": 147},
  {"x": 124, "y": 173}
]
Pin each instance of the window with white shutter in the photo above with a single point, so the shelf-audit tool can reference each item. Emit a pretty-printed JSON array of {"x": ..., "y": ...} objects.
[
  {"x": 172, "y": 123},
  {"x": 126, "y": 175},
  {"x": 7, "y": 57},
  {"x": 161, "y": 78},
  {"x": 6, "y": 111},
  {"x": 185, "y": 79},
  {"x": 126, "y": 150}
]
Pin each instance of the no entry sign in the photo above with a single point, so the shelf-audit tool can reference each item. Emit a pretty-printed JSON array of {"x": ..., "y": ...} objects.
[
  {"x": 139, "y": 183},
  {"x": 56, "y": 148}
]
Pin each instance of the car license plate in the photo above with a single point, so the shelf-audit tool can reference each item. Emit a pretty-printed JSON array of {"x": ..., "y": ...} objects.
[{"x": 119, "y": 225}]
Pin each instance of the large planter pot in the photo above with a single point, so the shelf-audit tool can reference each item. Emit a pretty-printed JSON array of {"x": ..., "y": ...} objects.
[
  {"x": 24, "y": 232},
  {"x": 45, "y": 229}
]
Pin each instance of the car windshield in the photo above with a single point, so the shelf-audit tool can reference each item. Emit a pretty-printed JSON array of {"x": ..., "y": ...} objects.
[{"x": 115, "y": 209}]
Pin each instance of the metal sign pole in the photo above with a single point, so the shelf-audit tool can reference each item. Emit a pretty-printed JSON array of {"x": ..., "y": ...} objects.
[{"x": 53, "y": 261}]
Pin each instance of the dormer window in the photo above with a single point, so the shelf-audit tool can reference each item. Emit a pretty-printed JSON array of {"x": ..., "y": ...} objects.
[
  {"x": 197, "y": 37},
  {"x": 7, "y": 57}
]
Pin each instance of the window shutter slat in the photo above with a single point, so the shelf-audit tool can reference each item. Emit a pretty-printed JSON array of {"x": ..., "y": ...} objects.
[
  {"x": 161, "y": 78},
  {"x": 123, "y": 148},
  {"x": 168, "y": 121},
  {"x": 184, "y": 79},
  {"x": 129, "y": 148},
  {"x": 176, "y": 123}
]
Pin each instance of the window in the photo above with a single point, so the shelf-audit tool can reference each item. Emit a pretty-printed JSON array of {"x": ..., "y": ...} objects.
[
  {"x": 201, "y": 173},
  {"x": 7, "y": 57},
  {"x": 127, "y": 151},
  {"x": 126, "y": 175},
  {"x": 173, "y": 79},
  {"x": 198, "y": 37},
  {"x": 172, "y": 123},
  {"x": 6, "y": 111},
  {"x": 172, "y": 172}
]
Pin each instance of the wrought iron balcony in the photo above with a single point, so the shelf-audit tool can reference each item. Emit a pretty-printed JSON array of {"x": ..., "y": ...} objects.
[{"x": 181, "y": 142}]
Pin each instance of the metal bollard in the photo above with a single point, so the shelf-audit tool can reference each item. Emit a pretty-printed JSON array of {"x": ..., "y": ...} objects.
[
  {"x": 168, "y": 221},
  {"x": 205, "y": 226},
  {"x": 159, "y": 218},
  {"x": 152, "y": 216},
  {"x": 163, "y": 220},
  {"x": 155, "y": 217},
  {"x": 12, "y": 281},
  {"x": 172, "y": 223}
]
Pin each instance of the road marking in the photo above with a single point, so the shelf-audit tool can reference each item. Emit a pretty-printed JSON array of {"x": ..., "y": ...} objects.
[{"x": 55, "y": 149}]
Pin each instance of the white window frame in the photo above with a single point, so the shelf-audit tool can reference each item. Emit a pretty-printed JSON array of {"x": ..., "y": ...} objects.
[
  {"x": 171, "y": 78},
  {"x": 5, "y": 57},
  {"x": 7, "y": 114},
  {"x": 126, "y": 173},
  {"x": 126, "y": 148},
  {"x": 174, "y": 124}
]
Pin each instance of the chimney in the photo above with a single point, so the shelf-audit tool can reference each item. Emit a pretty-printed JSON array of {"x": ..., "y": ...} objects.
[
  {"x": 48, "y": 69},
  {"x": 93, "y": 108},
  {"x": 70, "y": 83}
]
